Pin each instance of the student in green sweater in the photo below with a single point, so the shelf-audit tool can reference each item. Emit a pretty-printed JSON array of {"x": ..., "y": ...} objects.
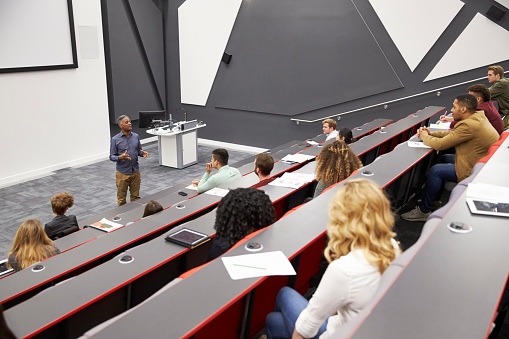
[{"x": 224, "y": 173}]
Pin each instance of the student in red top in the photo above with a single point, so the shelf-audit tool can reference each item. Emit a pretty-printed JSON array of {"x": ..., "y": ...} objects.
[
  {"x": 263, "y": 165},
  {"x": 482, "y": 93}
]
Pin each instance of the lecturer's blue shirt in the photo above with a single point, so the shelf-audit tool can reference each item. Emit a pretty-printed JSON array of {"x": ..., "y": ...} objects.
[{"x": 119, "y": 144}]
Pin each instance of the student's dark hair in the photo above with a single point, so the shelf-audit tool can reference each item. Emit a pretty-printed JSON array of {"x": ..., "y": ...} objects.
[
  {"x": 336, "y": 162},
  {"x": 497, "y": 70},
  {"x": 481, "y": 91},
  {"x": 221, "y": 155},
  {"x": 347, "y": 134},
  {"x": 60, "y": 202},
  {"x": 469, "y": 101},
  {"x": 265, "y": 163},
  {"x": 152, "y": 207},
  {"x": 243, "y": 211}
]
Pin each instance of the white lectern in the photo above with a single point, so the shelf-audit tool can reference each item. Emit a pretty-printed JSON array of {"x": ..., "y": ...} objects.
[{"x": 178, "y": 146}]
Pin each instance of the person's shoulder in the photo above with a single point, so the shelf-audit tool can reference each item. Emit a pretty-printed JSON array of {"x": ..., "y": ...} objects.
[
  {"x": 233, "y": 170},
  {"x": 117, "y": 136}
]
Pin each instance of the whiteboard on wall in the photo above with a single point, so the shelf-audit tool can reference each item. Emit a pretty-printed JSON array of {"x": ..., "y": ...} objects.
[{"x": 36, "y": 35}]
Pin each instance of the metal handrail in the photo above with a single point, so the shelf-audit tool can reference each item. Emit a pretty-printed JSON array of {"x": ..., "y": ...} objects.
[{"x": 297, "y": 121}]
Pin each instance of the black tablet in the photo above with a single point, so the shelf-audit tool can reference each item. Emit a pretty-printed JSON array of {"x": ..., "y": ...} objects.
[{"x": 187, "y": 238}]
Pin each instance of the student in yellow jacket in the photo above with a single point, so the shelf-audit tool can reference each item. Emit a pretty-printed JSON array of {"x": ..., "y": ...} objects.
[{"x": 471, "y": 138}]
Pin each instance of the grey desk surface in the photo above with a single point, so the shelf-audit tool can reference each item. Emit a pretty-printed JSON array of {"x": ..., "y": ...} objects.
[
  {"x": 379, "y": 137},
  {"x": 132, "y": 212},
  {"x": 452, "y": 287},
  {"x": 106, "y": 278},
  {"x": 212, "y": 283},
  {"x": 358, "y": 131},
  {"x": 106, "y": 243},
  {"x": 369, "y": 127}
]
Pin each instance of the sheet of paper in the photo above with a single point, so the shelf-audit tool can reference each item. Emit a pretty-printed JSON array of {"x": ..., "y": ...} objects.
[
  {"x": 258, "y": 265},
  {"x": 441, "y": 125},
  {"x": 293, "y": 180},
  {"x": 220, "y": 192},
  {"x": 106, "y": 225},
  {"x": 311, "y": 142},
  {"x": 417, "y": 144},
  {"x": 298, "y": 158},
  {"x": 488, "y": 192},
  {"x": 192, "y": 187}
]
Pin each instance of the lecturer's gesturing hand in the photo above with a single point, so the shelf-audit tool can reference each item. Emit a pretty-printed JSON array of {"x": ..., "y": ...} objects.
[
  {"x": 124, "y": 156},
  {"x": 145, "y": 154},
  {"x": 209, "y": 167}
]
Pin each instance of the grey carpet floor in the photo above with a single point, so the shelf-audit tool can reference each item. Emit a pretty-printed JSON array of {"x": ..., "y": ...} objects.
[{"x": 93, "y": 188}]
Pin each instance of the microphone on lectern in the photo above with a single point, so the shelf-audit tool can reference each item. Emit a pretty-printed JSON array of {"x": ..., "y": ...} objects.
[{"x": 185, "y": 113}]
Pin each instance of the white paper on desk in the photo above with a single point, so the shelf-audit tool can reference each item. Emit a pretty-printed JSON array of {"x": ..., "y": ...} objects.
[
  {"x": 258, "y": 265},
  {"x": 417, "y": 144},
  {"x": 106, "y": 225},
  {"x": 441, "y": 125},
  {"x": 488, "y": 192},
  {"x": 219, "y": 192},
  {"x": 311, "y": 142},
  {"x": 298, "y": 158},
  {"x": 192, "y": 187},
  {"x": 293, "y": 180}
]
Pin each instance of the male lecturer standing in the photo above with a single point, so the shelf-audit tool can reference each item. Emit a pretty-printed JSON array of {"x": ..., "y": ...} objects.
[{"x": 124, "y": 150}]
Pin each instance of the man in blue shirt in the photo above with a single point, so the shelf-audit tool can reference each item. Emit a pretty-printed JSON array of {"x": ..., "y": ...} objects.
[{"x": 124, "y": 150}]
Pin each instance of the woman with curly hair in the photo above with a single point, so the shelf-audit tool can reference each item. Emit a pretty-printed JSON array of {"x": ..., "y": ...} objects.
[
  {"x": 31, "y": 245},
  {"x": 335, "y": 163},
  {"x": 241, "y": 212},
  {"x": 62, "y": 224},
  {"x": 360, "y": 248}
]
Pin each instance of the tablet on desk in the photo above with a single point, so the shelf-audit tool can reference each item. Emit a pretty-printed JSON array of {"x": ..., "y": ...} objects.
[{"x": 187, "y": 238}]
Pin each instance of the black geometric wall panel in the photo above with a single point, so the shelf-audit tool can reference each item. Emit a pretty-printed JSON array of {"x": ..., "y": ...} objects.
[{"x": 295, "y": 56}]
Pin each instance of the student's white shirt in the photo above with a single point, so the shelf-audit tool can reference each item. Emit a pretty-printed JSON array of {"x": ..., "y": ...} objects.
[
  {"x": 332, "y": 135},
  {"x": 347, "y": 286}
]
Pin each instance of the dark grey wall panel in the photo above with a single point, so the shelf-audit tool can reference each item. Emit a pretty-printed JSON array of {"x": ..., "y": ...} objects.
[
  {"x": 149, "y": 21},
  {"x": 268, "y": 130},
  {"x": 131, "y": 88},
  {"x": 294, "y": 56}
]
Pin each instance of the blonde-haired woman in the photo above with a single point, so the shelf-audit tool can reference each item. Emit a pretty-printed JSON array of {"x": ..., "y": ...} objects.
[
  {"x": 31, "y": 245},
  {"x": 360, "y": 248}
]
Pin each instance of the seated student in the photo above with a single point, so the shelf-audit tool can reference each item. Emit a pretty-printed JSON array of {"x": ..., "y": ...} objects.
[
  {"x": 359, "y": 250},
  {"x": 335, "y": 163},
  {"x": 240, "y": 212},
  {"x": 60, "y": 203},
  {"x": 152, "y": 207},
  {"x": 345, "y": 134},
  {"x": 471, "y": 138},
  {"x": 329, "y": 128},
  {"x": 482, "y": 93},
  {"x": 263, "y": 165},
  {"x": 30, "y": 246},
  {"x": 224, "y": 174}
]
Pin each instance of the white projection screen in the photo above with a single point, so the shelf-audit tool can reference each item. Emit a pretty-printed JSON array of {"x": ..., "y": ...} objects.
[{"x": 36, "y": 35}]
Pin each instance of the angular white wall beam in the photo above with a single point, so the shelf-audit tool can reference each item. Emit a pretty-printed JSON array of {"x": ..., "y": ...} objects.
[
  {"x": 464, "y": 54},
  {"x": 204, "y": 30},
  {"x": 415, "y": 25}
]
